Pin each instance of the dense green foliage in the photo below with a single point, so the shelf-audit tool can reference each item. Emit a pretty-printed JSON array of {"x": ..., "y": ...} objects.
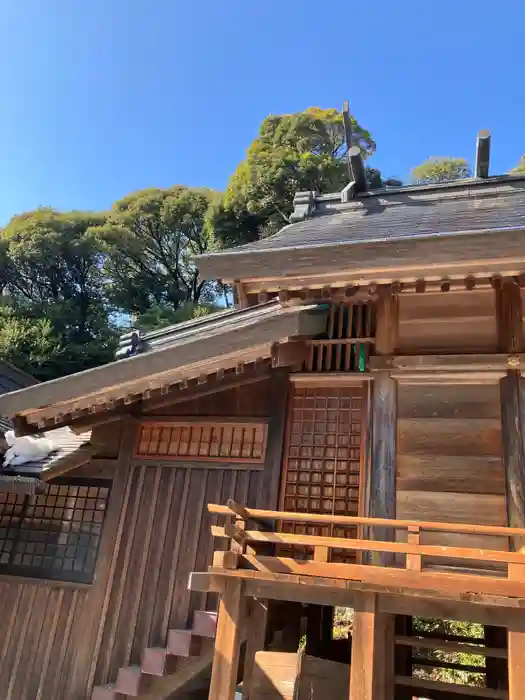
[
  {"x": 71, "y": 281},
  {"x": 293, "y": 152},
  {"x": 520, "y": 168},
  {"x": 440, "y": 169}
]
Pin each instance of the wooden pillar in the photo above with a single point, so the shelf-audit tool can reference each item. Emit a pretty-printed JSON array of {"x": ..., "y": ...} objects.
[
  {"x": 509, "y": 316},
  {"x": 255, "y": 640},
  {"x": 512, "y": 393},
  {"x": 372, "y": 665},
  {"x": 383, "y": 421},
  {"x": 383, "y": 459},
  {"x": 387, "y": 323},
  {"x": 516, "y": 661},
  {"x": 227, "y": 643},
  {"x": 496, "y": 669}
]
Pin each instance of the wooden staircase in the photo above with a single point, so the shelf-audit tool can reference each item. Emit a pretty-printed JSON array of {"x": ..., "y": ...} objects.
[{"x": 134, "y": 681}]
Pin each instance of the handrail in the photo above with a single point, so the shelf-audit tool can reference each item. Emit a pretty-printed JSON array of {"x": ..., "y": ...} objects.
[
  {"x": 253, "y": 536},
  {"x": 235, "y": 509}
]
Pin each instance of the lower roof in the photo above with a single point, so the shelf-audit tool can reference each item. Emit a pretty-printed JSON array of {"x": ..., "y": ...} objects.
[{"x": 171, "y": 356}]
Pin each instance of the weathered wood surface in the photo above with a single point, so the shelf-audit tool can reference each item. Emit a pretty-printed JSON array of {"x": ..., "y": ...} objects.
[
  {"x": 227, "y": 643},
  {"x": 449, "y": 459},
  {"x": 453, "y": 321},
  {"x": 372, "y": 666},
  {"x": 383, "y": 453},
  {"x": 248, "y": 513},
  {"x": 509, "y": 315},
  {"x": 57, "y": 640},
  {"x": 387, "y": 323},
  {"x": 513, "y": 428}
]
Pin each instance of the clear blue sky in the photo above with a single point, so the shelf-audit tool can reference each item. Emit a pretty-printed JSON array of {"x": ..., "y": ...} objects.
[{"x": 102, "y": 97}]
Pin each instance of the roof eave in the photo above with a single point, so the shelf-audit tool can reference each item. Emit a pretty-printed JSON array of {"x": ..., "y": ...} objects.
[{"x": 273, "y": 263}]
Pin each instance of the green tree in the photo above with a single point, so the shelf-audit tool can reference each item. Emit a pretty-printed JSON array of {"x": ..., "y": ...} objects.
[
  {"x": 157, "y": 317},
  {"x": 440, "y": 169},
  {"x": 520, "y": 168},
  {"x": 152, "y": 237},
  {"x": 29, "y": 343},
  {"x": 293, "y": 152},
  {"x": 51, "y": 269}
]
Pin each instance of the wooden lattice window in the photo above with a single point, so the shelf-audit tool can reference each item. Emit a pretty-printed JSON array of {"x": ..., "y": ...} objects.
[
  {"x": 345, "y": 345},
  {"x": 206, "y": 440},
  {"x": 54, "y": 534},
  {"x": 323, "y": 460}
]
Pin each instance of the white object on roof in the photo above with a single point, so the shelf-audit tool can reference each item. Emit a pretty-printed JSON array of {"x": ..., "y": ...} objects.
[{"x": 25, "y": 449}]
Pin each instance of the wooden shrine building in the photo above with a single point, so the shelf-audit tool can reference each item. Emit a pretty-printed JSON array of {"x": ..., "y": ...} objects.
[{"x": 351, "y": 435}]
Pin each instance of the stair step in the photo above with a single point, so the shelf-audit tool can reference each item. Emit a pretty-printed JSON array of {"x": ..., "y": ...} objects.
[
  {"x": 183, "y": 643},
  {"x": 204, "y": 623},
  {"x": 157, "y": 661},
  {"x": 106, "y": 692},
  {"x": 131, "y": 681}
]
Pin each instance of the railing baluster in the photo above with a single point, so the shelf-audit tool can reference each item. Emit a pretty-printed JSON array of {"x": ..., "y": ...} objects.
[{"x": 413, "y": 561}]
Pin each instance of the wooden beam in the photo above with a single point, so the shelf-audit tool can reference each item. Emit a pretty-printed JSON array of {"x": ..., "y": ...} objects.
[
  {"x": 289, "y": 354},
  {"x": 509, "y": 316},
  {"x": 372, "y": 667},
  {"x": 512, "y": 392},
  {"x": 387, "y": 323},
  {"x": 446, "y": 363},
  {"x": 482, "y": 154},
  {"x": 383, "y": 459},
  {"x": 358, "y": 169},
  {"x": 227, "y": 643}
]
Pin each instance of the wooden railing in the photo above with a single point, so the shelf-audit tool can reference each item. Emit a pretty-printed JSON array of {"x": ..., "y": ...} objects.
[{"x": 474, "y": 571}]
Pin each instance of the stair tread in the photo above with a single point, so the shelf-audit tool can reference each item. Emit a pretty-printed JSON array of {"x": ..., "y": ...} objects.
[
  {"x": 106, "y": 692},
  {"x": 204, "y": 623}
]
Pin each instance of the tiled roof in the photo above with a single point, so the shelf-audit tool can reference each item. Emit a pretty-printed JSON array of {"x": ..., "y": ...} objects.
[
  {"x": 65, "y": 443},
  {"x": 64, "y": 440},
  {"x": 462, "y": 207},
  {"x": 168, "y": 357}
]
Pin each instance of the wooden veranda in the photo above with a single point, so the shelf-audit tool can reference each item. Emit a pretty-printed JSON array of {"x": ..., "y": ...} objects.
[{"x": 387, "y": 578}]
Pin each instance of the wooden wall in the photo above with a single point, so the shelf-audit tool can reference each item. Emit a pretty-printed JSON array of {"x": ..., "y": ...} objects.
[
  {"x": 449, "y": 466},
  {"x": 57, "y": 640},
  {"x": 456, "y": 322}
]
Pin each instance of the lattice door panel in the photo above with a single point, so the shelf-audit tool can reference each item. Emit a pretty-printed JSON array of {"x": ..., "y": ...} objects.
[{"x": 323, "y": 460}]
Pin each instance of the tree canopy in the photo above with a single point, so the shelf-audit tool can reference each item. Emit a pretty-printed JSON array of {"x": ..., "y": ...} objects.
[
  {"x": 520, "y": 168},
  {"x": 151, "y": 239},
  {"x": 293, "y": 152},
  {"x": 52, "y": 270},
  {"x": 440, "y": 169}
]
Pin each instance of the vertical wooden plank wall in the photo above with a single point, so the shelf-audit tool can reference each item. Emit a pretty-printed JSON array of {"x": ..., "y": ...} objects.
[{"x": 56, "y": 642}]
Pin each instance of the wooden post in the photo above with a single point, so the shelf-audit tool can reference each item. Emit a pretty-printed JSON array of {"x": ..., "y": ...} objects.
[
  {"x": 496, "y": 669},
  {"x": 508, "y": 316},
  {"x": 255, "y": 640},
  {"x": 383, "y": 462},
  {"x": 512, "y": 392},
  {"x": 387, "y": 323},
  {"x": 516, "y": 661},
  {"x": 227, "y": 643},
  {"x": 372, "y": 666}
]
